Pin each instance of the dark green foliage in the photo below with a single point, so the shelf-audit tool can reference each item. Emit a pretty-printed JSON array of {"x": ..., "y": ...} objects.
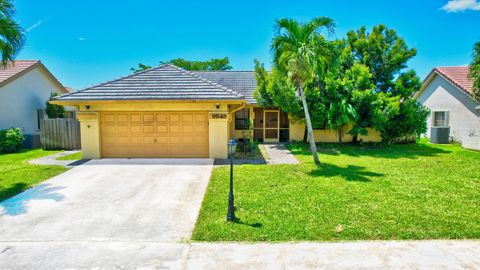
[
  {"x": 359, "y": 80},
  {"x": 53, "y": 110},
  {"x": 11, "y": 140},
  {"x": 383, "y": 51},
  {"x": 212, "y": 64},
  {"x": 12, "y": 36},
  {"x": 474, "y": 73},
  {"x": 141, "y": 67},
  {"x": 409, "y": 121}
]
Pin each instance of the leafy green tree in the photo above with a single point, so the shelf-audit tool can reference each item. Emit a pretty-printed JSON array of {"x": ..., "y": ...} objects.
[
  {"x": 298, "y": 49},
  {"x": 383, "y": 52},
  {"x": 12, "y": 37},
  {"x": 340, "y": 114},
  {"x": 53, "y": 110},
  {"x": 140, "y": 67},
  {"x": 386, "y": 55},
  {"x": 212, "y": 64},
  {"x": 474, "y": 72}
]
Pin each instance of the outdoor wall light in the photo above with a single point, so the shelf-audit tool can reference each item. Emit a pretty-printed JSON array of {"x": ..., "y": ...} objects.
[
  {"x": 87, "y": 106},
  {"x": 217, "y": 106},
  {"x": 232, "y": 146}
]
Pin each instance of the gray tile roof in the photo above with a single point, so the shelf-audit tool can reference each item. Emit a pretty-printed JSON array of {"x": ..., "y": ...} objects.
[
  {"x": 243, "y": 82},
  {"x": 166, "y": 82}
]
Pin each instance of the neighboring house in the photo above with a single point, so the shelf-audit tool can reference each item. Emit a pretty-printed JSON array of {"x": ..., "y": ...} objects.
[
  {"x": 447, "y": 92},
  {"x": 170, "y": 112},
  {"x": 25, "y": 87}
]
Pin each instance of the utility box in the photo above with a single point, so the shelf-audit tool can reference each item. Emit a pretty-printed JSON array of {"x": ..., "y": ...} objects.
[{"x": 440, "y": 134}]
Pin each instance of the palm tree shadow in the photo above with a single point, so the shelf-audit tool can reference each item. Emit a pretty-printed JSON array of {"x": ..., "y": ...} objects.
[
  {"x": 349, "y": 173},
  {"x": 17, "y": 205}
]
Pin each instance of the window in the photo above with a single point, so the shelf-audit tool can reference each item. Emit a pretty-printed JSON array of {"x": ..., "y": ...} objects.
[
  {"x": 242, "y": 119},
  {"x": 40, "y": 117},
  {"x": 440, "y": 119}
]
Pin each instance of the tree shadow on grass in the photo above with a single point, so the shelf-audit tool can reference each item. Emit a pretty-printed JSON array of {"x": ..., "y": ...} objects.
[
  {"x": 375, "y": 150},
  {"x": 349, "y": 173},
  {"x": 17, "y": 205}
]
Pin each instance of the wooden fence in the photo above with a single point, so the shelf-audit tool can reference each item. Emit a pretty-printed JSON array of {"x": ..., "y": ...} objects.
[{"x": 60, "y": 133}]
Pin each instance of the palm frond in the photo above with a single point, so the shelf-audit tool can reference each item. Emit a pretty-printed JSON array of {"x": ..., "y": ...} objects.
[{"x": 12, "y": 39}]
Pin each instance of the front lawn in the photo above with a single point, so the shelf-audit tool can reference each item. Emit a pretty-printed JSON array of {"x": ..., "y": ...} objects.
[
  {"x": 74, "y": 156},
  {"x": 418, "y": 191},
  {"x": 17, "y": 175}
]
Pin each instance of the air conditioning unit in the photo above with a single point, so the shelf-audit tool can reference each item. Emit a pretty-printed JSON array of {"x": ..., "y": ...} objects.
[{"x": 439, "y": 134}]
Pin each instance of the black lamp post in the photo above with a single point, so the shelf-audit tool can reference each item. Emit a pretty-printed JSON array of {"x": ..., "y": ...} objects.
[{"x": 232, "y": 145}]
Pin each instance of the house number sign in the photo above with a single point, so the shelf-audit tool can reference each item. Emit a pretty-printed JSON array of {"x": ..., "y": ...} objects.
[{"x": 218, "y": 116}]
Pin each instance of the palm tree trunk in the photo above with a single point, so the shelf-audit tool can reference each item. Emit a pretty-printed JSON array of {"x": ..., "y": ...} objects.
[{"x": 313, "y": 147}]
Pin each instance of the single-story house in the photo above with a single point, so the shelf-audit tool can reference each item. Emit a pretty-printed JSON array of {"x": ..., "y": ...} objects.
[
  {"x": 167, "y": 111},
  {"x": 25, "y": 88},
  {"x": 447, "y": 92}
]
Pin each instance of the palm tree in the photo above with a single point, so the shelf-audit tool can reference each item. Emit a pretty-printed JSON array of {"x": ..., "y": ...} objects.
[
  {"x": 11, "y": 34},
  {"x": 298, "y": 49}
]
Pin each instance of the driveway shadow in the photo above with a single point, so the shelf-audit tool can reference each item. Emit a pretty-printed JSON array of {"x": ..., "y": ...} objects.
[
  {"x": 17, "y": 205},
  {"x": 349, "y": 173}
]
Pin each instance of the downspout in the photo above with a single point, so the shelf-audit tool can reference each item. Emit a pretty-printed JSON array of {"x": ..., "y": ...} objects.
[
  {"x": 237, "y": 109},
  {"x": 231, "y": 116}
]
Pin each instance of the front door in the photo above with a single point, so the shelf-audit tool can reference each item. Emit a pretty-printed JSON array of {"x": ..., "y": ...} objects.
[{"x": 271, "y": 125}]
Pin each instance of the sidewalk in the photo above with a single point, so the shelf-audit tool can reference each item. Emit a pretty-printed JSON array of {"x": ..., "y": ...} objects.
[{"x": 441, "y": 254}]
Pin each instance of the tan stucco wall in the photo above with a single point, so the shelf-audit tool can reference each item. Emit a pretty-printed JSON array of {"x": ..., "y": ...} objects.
[
  {"x": 21, "y": 98},
  {"x": 441, "y": 95},
  {"x": 297, "y": 130},
  {"x": 218, "y": 137},
  {"x": 90, "y": 126},
  {"x": 89, "y": 134}
]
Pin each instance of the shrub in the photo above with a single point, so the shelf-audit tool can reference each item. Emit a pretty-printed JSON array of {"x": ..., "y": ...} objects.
[
  {"x": 11, "y": 140},
  {"x": 55, "y": 111}
]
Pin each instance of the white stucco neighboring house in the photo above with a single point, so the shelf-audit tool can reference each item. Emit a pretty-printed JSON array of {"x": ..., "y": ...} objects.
[
  {"x": 447, "y": 92},
  {"x": 25, "y": 87}
]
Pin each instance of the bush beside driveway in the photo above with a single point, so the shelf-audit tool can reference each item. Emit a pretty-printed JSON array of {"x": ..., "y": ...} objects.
[{"x": 421, "y": 191}]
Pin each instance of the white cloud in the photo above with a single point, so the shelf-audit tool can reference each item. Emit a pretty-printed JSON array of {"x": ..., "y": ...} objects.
[
  {"x": 81, "y": 39},
  {"x": 35, "y": 25},
  {"x": 461, "y": 5}
]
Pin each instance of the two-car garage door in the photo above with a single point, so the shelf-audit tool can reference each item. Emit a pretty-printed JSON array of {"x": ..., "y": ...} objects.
[{"x": 154, "y": 134}]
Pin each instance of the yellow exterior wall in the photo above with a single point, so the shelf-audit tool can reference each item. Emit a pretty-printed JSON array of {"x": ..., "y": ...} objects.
[
  {"x": 218, "y": 137},
  {"x": 89, "y": 134},
  {"x": 297, "y": 130},
  {"x": 90, "y": 123}
]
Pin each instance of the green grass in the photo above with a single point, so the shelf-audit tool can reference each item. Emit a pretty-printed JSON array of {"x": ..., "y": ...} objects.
[
  {"x": 418, "y": 191},
  {"x": 74, "y": 156},
  {"x": 16, "y": 175}
]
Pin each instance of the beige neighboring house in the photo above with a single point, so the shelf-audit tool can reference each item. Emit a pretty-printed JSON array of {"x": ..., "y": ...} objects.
[
  {"x": 25, "y": 87},
  {"x": 447, "y": 92}
]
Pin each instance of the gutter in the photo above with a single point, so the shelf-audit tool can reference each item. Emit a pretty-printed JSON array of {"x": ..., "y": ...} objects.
[{"x": 237, "y": 109}]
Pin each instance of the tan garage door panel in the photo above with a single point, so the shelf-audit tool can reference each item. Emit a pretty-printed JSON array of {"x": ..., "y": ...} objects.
[{"x": 154, "y": 134}]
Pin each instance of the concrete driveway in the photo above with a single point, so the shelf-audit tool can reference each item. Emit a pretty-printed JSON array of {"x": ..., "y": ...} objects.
[
  {"x": 135, "y": 214},
  {"x": 110, "y": 200}
]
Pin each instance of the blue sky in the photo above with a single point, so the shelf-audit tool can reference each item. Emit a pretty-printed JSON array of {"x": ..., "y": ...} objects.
[{"x": 87, "y": 42}]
